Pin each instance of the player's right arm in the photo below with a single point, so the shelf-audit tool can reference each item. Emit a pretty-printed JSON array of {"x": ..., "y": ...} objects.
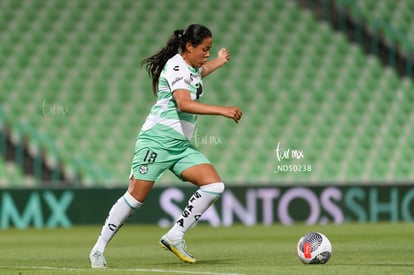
[{"x": 186, "y": 104}]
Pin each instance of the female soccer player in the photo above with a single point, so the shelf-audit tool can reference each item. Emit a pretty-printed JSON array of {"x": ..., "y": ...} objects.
[{"x": 164, "y": 141}]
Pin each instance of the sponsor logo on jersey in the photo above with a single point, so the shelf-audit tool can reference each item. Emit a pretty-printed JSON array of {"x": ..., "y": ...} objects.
[{"x": 176, "y": 80}]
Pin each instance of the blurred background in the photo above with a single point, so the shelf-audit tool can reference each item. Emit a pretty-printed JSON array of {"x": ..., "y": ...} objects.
[{"x": 326, "y": 87}]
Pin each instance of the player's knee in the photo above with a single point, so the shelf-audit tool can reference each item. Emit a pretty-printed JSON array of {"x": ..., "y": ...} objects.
[
  {"x": 131, "y": 201},
  {"x": 221, "y": 187},
  {"x": 217, "y": 187}
]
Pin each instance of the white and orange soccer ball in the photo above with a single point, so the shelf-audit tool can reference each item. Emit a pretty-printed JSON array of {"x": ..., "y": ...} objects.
[{"x": 314, "y": 248}]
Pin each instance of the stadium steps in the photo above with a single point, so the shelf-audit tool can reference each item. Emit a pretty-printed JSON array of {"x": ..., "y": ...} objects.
[
  {"x": 387, "y": 27},
  {"x": 393, "y": 19},
  {"x": 28, "y": 157}
]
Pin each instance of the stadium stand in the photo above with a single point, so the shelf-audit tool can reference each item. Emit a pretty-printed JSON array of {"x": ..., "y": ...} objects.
[
  {"x": 72, "y": 89},
  {"x": 390, "y": 19}
]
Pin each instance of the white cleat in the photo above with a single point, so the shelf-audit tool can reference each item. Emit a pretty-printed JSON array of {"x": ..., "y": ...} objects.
[{"x": 97, "y": 259}]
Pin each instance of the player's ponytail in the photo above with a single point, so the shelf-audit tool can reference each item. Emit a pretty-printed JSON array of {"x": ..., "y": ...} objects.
[{"x": 154, "y": 64}]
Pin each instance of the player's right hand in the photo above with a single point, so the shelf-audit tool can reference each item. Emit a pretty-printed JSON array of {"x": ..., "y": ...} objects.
[{"x": 233, "y": 112}]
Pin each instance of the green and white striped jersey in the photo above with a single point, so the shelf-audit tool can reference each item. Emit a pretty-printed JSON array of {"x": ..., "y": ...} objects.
[{"x": 166, "y": 124}]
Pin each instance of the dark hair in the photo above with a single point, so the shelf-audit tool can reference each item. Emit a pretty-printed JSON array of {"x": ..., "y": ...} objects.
[{"x": 195, "y": 34}]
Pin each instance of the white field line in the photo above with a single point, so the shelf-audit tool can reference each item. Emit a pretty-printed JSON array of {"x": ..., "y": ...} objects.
[{"x": 121, "y": 269}]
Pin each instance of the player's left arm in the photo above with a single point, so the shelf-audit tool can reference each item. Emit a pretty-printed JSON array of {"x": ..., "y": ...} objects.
[{"x": 222, "y": 58}]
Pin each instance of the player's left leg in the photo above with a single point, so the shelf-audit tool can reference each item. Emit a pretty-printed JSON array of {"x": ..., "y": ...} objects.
[{"x": 211, "y": 188}]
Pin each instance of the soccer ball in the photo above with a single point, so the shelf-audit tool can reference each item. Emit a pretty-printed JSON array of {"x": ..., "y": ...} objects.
[{"x": 314, "y": 248}]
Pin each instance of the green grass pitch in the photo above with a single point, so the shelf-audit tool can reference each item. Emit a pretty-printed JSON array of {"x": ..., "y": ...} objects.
[{"x": 357, "y": 249}]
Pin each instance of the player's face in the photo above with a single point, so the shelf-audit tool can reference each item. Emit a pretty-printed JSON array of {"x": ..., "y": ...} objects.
[{"x": 199, "y": 55}]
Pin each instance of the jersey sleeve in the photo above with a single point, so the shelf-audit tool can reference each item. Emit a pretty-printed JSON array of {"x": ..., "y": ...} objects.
[{"x": 178, "y": 77}]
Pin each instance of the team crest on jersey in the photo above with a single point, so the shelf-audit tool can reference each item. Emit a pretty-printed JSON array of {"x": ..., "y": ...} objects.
[{"x": 143, "y": 169}]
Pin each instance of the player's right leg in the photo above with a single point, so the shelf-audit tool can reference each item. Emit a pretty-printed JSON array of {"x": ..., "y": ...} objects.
[
  {"x": 119, "y": 213},
  {"x": 142, "y": 179}
]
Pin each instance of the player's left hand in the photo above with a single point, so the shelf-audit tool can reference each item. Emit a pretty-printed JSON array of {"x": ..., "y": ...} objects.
[{"x": 224, "y": 55}]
